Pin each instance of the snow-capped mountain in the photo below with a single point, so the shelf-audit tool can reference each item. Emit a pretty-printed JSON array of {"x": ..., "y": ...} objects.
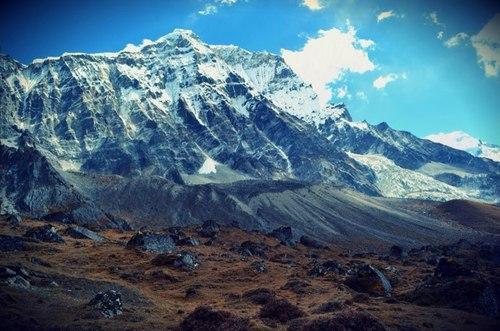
[
  {"x": 465, "y": 142},
  {"x": 193, "y": 113}
]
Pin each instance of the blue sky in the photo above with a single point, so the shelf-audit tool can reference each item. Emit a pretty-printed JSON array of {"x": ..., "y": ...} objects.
[{"x": 438, "y": 84}]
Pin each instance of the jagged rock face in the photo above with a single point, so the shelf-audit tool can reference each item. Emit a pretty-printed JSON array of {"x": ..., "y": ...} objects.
[
  {"x": 33, "y": 187},
  {"x": 170, "y": 106}
]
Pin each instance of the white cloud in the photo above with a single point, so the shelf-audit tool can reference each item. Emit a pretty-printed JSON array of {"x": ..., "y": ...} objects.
[
  {"x": 440, "y": 35},
  {"x": 456, "y": 40},
  {"x": 362, "y": 96},
  {"x": 385, "y": 15},
  {"x": 227, "y": 2},
  {"x": 324, "y": 59},
  {"x": 341, "y": 92},
  {"x": 135, "y": 48},
  {"x": 312, "y": 4},
  {"x": 487, "y": 45},
  {"x": 209, "y": 9},
  {"x": 366, "y": 43},
  {"x": 433, "y": 17},
  {"x": 383, "y": 80}
]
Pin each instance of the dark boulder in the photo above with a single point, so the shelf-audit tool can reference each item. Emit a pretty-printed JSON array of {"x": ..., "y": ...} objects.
[
  {"x": 471, "y": 294},
  {"x": 187, "y": 241},
  {"x": 310, "y": 242},
  {"x": 108, "y": 303},
  {"x": 182, "y": 260},
  {"x": 344, "y": 320},
  {"x": 11, "y": 243},
  {"x": 152, "y": 242},
  {"x": 12, "y": 219},
  {"x": 368, "y": 279},
  {"x": 450, "y": 269},
  {"x": 16, "y": 277},
  {"x": 251, "y": 248},
  {"x": 397, "y": 252},
  {"x": 79, "y": 232},
  {"x": 45, "y": 233},
  {"x": 280, "y": 310},
  {"x": 260, "y": 296},
  {"x": 209, "y": 229},
  {"x": 206, "y": 319},
  {"x": 326, "y": 268},
  {"x": 284, "y": 234}
]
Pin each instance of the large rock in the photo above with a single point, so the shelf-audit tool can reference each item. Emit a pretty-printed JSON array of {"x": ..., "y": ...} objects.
[
  {"x": 108, "y": 303},
  {"x": 326, "y": 268},
  {"x": 284, "y": 234},
  {"x": 310, "y": 242},
  {"x": 455, "y": 286},
  {"x": 152, "y": 242},
  {"x": 182, "y": 260},
  {"x": 450, "y": 269},
  {"x": 368, "y": 279},
  {"x": 79, "y": 232},
  {"x": 45, "y": 233},
  {"x": 11, "y": 243},
  {"x": 206, "y": 319},
  {"x": 209, "y": 229},
  {"x": 251, "y": 248}
]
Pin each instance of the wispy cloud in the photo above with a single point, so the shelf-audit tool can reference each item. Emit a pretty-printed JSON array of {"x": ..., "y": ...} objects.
[
  {"x": 456, "y": 40},
  {"x": 324, "y": 60},
  {"x": 385, "y": 15},
  {"x": 440, "y": 35},
  {"x": 312, "y": 4},
  {"x": 487, "y": 45},
  {"x": 433, "y": 17},
  {"x": 212, "y": 8},
  {"x": 209, "y": 9},
  {"x": 383, "y": 80}
]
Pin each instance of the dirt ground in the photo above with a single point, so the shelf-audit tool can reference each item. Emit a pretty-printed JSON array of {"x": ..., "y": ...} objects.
[{"x": 154, "y": 297}]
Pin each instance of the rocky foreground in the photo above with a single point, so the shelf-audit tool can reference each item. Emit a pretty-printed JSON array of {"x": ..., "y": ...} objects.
[{"x": 212, "y": 278}]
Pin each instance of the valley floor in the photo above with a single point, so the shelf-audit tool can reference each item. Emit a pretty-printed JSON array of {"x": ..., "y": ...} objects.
[{"x": 47, "y": 285}]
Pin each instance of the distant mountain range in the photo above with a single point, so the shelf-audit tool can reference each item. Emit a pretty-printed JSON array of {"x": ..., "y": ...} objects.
[
  {"x": 179, "y": 116},
  {"x": 465, "y": 142}
]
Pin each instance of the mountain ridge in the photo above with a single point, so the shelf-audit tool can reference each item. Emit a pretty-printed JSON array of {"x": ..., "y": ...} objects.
[{"x": 167, "y": 108}]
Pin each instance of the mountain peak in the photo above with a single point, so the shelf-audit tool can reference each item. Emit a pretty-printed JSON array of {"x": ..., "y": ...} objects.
[{"x": 463, "y": 141}]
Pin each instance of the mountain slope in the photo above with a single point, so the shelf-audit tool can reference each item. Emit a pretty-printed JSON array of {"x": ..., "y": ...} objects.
[
  {"x": 194, "y": 113},
  {"x": 165, "y": 109}
]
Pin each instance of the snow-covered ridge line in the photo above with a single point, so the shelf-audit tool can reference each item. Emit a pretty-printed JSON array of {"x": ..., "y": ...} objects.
[
  {"x": 463, "y": 141},
  {"x": 129, "y": 48}
]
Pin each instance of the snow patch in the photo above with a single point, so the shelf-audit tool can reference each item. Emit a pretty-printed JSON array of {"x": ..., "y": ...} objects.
[{"x": 208, "y": 167}]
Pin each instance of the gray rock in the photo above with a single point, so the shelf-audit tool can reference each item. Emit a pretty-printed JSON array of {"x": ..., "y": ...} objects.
[
  {"x": 108, "y": 303},
  {"x": 182, "y": 260},
  {"x": 284, "y": 234},
  {"x": 45, "y": 233},
  {"x": 152, "y": 242},
  {"x": 79, "y": 232},
  {"x": 310, "y": 242}
]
